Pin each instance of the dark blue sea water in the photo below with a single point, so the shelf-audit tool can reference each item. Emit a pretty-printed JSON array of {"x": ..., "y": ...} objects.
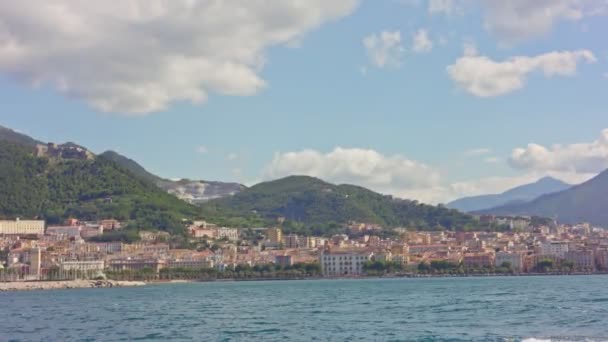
[{"x": 467, "y": 309}]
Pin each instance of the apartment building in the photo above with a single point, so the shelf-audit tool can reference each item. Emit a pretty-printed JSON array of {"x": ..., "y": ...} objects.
[{"x": 344, "y": 262}]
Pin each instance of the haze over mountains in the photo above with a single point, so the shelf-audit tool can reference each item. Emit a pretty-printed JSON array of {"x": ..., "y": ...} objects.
[
  {"x": 520, "y": 194},
  {"x": 580, "y": 203}
]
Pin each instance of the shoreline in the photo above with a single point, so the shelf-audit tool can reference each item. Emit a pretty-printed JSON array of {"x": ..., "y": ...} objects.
[
  {"x": 65, "y": 284},
  {"x": 84, "y": 284}
]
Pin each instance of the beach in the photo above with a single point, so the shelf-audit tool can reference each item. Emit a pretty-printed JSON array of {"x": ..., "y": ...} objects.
[{"x": 66, "y": 284}]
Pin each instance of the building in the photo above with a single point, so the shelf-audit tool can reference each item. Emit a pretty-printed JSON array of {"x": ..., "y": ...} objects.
[
  {"x": 110, "y": 247},
  {"x": 556, "y": 248},
  {"x": 478, "y": 260},
  {"x": 82, "y": 265},
  {"x": 344, "y": 262},
  {"x": 200, "y": 232},
  {"x": 67, "y": 231},
  {"x": 515, "y": 259},
  {"x": 35, "y": 261},
  {"x": 22, "y": 227},
  {"x": 189, "y": 263},
  {"x": 157, "y": 249},
  {"x": 283, "y": 260},
  {"x": 582, "y": 260},
  {"x": 274, "y": 235},
  {"x": 110, "y": 224},
  {"x": 292, "y": 241},
  {"x": 128, "y": 264},
  {"x": 231, "y": 234}
]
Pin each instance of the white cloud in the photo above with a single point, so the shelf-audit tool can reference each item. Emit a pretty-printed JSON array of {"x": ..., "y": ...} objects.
[
  {"x": 202, "y": 149},
  {"x": 422, "y": 43},
  {"x": 365, "y": 167},
  {"x": 384, "y": 49},
  {"x": 514, "y": 21},
  {"x": 139, "y": 56},
  {"x": 483, "y": 77},
  {"x": 232, "y": 156},
  {"x": 492, "y": 160},
  {"x": 581, "y": 158},
  {"x": 397, "y": 175},
  {"x": 480, "y": 151},
  {"x": 442, "y": 6}
]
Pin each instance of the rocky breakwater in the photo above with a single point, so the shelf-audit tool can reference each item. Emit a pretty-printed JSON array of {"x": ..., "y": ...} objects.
[{"x": 65, "y": 284}]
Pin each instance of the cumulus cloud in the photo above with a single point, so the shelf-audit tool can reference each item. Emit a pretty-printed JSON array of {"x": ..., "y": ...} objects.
[
  {"x": 397, "y": 175},
  {"x": 581, "y": 158},
  {"x": 384, "y": 49},
  {"x": 202, "y": 149},
  {"x": 365, "y": 167},
  {"x": 139, "y": 56},
  {"x": 484, "y": 77},
  {"x": 514, "y": 21},
  {"x": 422, "y": 43},
  {"x": 232, "y": 156}
]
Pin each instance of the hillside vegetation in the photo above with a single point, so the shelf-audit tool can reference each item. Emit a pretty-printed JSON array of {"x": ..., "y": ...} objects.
[
  {"x": 312, "y": 205},
  {"x": 87, "y": 189}
]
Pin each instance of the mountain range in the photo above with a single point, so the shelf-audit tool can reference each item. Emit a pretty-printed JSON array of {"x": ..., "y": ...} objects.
[
  {"x": 59, "y": 181},
  {"x": 585, "y": 202},
  {"x": 55, "y": 182},
  {"x": 520, "y": 194}
]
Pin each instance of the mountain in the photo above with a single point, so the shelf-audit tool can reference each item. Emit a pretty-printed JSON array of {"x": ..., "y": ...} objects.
[
  {"x": 58, "y": 187},
  {"x": 581, "y": 203},
  {"x": 192, "y": 191},
  {"x": 523, "y": 193},
  {"x": 131, "y": 165},
  {"x": 9, "y": 135},
  {"x": 312, "y": 204}
]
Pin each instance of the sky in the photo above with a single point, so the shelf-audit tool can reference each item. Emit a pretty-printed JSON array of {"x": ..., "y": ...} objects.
[{"x": 431, "y": 100}]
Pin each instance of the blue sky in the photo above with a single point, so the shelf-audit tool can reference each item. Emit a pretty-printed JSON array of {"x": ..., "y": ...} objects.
[{"x": 390, "y": 117}]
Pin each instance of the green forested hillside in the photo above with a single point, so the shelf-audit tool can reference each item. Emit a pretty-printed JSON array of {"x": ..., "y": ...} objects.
[
  {"x": 130, "y": 165},
  {"x": 87, "y": 189},
  {"x": 309, "y": 204}
]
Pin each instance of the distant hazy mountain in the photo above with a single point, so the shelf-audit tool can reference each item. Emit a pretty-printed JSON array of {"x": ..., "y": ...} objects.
[
  {"x": 585, "y": 202},
  {"x": 193, "y": 191},
  {"x": 520, "y": 194}
]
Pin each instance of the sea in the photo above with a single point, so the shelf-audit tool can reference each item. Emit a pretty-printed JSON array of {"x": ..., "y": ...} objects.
[{"x": 533, "y": 308}]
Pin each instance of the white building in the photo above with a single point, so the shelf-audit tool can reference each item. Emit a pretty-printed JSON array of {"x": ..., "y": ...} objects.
[
  {"x": 231, "y": 234},
  {"x": 344, "y": 262},
  {"x": 21, "y": 227},
  {"x": 555, "y": 248},
  {"x": 514, "y": 258},
  {"x": 82, "y": 265}
]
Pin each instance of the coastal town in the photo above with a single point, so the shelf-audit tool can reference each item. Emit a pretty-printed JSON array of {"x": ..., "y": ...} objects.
[{"x": 31, "y": 250}]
